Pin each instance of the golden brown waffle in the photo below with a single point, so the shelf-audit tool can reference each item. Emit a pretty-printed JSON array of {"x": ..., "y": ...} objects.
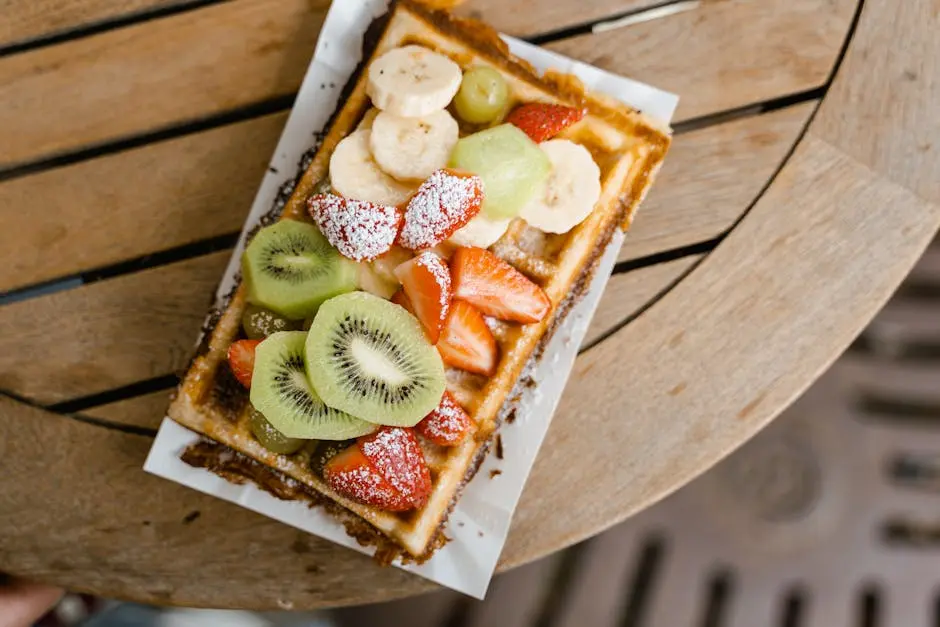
[{"x": 629, "y": 149}]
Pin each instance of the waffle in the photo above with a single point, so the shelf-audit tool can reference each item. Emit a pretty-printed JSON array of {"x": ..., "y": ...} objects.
[{"x": 629, "y": 148}]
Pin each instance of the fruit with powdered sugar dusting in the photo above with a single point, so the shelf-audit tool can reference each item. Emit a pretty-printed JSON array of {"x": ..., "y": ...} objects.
[
  {"x": 360, "y": 230},
  {"x": 426, "y": 281},
  {"x": 445, "y": 202}
]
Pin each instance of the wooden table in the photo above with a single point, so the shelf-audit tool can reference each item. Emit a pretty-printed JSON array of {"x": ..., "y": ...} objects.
[{"x": 803, "y": 184}]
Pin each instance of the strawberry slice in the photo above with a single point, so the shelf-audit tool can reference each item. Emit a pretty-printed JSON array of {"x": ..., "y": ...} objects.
[
  {"x": 495, "y": 287},
  {"x": 447, "y": 425},
  {"x": 541, "y": 121},
  {"x": 358, "y": 229},
  {"x": 241, "y": 359},
  {"x": 426, "y": 281},
  {"x": 352, "y": 474},
  {"x": 466, "y": 342},
  {"x": 446, "y": 201},
  {"x": 400, "y": 299},
  {"x": 395, "y": 453}
]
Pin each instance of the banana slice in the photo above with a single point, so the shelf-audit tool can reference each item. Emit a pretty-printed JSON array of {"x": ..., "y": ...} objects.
[
  {"x": 571, "y": 191},
  {"x": 480, "y": 231},
  {"x": 412, "y": 81},
  {"x": 413, "y": 148},
  {"x": 355, "y": 174}
]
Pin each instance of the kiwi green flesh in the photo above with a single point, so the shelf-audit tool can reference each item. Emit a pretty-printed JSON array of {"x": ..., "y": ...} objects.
[
  {"x": 291, "y": 268},
  {"x": 371, "y": 359},
  {"x": 512, "y": 166},
  {"x": 281, "y": 392}
]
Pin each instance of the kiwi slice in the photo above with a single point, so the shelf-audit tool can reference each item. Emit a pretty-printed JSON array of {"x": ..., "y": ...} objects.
[
  {"x": 291, "y": 268},
  {"x": 281, "y": 392},
  {"x": 370, "y": 358}
]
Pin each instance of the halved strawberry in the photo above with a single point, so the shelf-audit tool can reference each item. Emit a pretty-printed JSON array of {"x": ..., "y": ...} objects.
[
  {"x": 352, "y": 474},
  {"x": 447, "y": 425},
  {"x": 241, "y": 359},
  {"x": 446, "y": 201},
  {"x": 466, "y": 342},
  {"x": 395, "y": 453},
  {"x": 400, "y": 299},
  {"x": 495, "y": 287},
  {"x": 541, "y": 120},
  {"x": 358, "y": 229},
  {"x": 426, "y": 281}
]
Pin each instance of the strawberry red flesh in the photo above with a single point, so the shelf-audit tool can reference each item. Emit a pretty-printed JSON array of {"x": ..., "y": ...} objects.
[
  {"x": 401, "y": 300},
  {"x": 351, "y": 474},
  {"x": 466, "y": 341},
  {"x": 495, "y": 287},
  {"x": 446, "y": 201},
  {"x": 426, "y": 282},
  {"x": 241, "y": 359},
  {"x": 395, "y": 453},
  {"x": 447, "y": 425},
  {"x": 358, "y": 229},
  {"x": 542, "y": 121}
]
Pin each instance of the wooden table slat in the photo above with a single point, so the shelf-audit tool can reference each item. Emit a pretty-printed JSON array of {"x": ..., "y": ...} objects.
[
  {"x": 725, "y": 54},
  {"x": 28, "y": 20},
  {"x": 712, "y": 175},
  {"x": 145, "y": 411},
  {"x": 107, "y": 334},
  {"x": 249, "y": 51},
  {"x": 107, "y": 210}
]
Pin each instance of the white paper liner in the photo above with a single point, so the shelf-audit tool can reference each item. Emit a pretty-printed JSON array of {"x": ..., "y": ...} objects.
[{"x": 479, "y": 524}]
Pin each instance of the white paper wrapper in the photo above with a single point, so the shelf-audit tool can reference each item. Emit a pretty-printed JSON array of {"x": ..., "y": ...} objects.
[{"x": 479, "y": 524}]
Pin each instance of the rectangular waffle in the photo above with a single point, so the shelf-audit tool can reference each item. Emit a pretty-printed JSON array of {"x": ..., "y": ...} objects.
[{"x": 627, "y": 146}]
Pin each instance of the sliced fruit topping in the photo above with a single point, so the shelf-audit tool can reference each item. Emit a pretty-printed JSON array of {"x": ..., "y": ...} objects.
[
  {"x": 413, "y": 148},
  {"x": 282, "y": 393},
  {"x": 378, "y": 277},
  {"x": 412, "y": 81},
  {"x": 426, "y": 281},
  {"x": 446, "y": 201},
  {"x": 481, "y": 231},
  {"x": 466, "y": 341},
  {"x": 259, "y": 322},
  {"x": 360, "y": 230},
  {"x": 541, "y": 120},
  {"x": 396, "y": 454},
  {"x": 351, "y": 474},
  {"x": 495, "y": 287},
  {"x": 571, "y": 191},
  {"x": 269, "y": 437},
  {"x": 355, "y": 174},
  {"x": 369, "y": 357},
  {"x": 512, "y": 167},
  {"x": 290, "y": 268},
  {"x": 401, "y": 300},
  {"x": 241, "y": 359},
  {"x": 483, "y": 95},
  {"x": 447, "y": 425}
]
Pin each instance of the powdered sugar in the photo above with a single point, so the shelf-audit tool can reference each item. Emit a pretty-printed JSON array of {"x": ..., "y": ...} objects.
[
  {"x": 362, "y": 483},
  {"x": 358, "y": 229},
  {"x": 448, "y": 424},
  {"x": 445, "y": 202},
  {"x": 397, "y": 456},
  {"x": 441, "y": 274}
]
